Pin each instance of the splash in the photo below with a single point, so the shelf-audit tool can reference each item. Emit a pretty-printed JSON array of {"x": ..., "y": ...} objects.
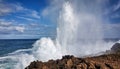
[
  {"x": 78, "y": 33},
  {"x": 45, "y": 49}
]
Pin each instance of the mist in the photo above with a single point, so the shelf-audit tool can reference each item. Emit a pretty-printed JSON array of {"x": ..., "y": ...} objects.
[{"x": 80, "y": 32}]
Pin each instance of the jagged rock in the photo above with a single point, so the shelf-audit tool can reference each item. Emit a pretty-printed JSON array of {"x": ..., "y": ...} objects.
[
  {"x": 82, "y": 66},
  {"x": 45, "y": 67},
  {"x": 69, "y": 63},
  {"x": 109, "y": 61},
  {"x": 106, "y": 61},
  {"x": 91, "y": 65}
]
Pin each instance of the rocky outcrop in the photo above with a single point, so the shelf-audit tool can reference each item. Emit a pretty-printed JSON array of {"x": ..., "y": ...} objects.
[
  {"x": 116, "y": 47},
  {"x": 110, "y": 61},
  {"x": 106, "y": 61}
]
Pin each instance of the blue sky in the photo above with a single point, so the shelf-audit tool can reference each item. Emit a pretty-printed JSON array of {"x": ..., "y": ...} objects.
[
  {"x": 24, "y": 19},
  {"x": 36, "y": 18}
]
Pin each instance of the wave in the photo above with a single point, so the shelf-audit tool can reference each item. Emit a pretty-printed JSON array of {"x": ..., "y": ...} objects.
[{"x": 73, "y": 25}]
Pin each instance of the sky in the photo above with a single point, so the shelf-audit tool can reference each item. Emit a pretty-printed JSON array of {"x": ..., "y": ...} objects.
[
  {"x": 31, "y": 19},
  {"x": 24, "y": 19}
]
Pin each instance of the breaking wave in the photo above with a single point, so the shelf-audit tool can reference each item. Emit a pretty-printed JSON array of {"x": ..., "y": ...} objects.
[{"x": 78, "y": 33}]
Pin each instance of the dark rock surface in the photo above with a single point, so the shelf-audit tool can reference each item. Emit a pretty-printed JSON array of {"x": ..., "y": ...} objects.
[
  {"x": 106, "y": 61},
  {"x": 110, "y": 61},
  {"x": 116, "y": 47}
]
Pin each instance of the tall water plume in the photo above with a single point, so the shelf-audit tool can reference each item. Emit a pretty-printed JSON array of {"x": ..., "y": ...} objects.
[
  {"x": 67, "y": 26},
  {"x": 79, "y": 32}
]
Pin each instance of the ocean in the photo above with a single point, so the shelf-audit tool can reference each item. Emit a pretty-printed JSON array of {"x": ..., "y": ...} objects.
[
  {"x": 11, "y": 49},
  {"x": 18, "y": 53},
  {"x": 10, "y": 45},
  {"x": 80, "y": 31}
]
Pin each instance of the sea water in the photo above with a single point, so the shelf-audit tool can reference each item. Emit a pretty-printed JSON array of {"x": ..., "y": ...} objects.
[{"x": 79, "y": 33}]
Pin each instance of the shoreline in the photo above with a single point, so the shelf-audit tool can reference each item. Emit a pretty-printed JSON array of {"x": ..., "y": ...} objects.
[{"x": 109, "y": 60}]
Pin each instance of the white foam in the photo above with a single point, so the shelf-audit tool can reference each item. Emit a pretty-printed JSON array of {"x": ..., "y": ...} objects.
[
  {"x": 118, "y": 41},
  {"x": 45, "y": 49},
  {"x": 78, "y": 33}
]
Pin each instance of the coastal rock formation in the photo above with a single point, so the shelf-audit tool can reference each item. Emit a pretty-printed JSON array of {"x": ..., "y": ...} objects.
[
  {"x": 116, "y": 47},
  {"x": 106, "y": 61},
  {"x": 110, "y": 61}
]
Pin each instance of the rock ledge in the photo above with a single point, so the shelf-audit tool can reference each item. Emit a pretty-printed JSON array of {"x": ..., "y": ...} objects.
[{"x": 110, "y": 61}]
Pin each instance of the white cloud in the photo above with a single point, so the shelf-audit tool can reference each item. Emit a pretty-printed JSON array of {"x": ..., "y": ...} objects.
[
  {"x": 34, "y": 24},
  {"x": 3, "y": 23},
  {"x": 26, "y": 18},
  {"x": 116, "y": 6},
  {"x": 29, "y": 13},
  {"x": 18, "y": 7},
  {"x": 8, "y": 26},
  {"x": 13, "y": 28},
  {"x": 113, "y": 10},
  {"x": 35, "y": 14},
  {"x": 20, "y": 28},
  {"x": 54, "y": 7},
  {"x": 112, "y": 30},
  {"x": 6, "y": 8}
]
